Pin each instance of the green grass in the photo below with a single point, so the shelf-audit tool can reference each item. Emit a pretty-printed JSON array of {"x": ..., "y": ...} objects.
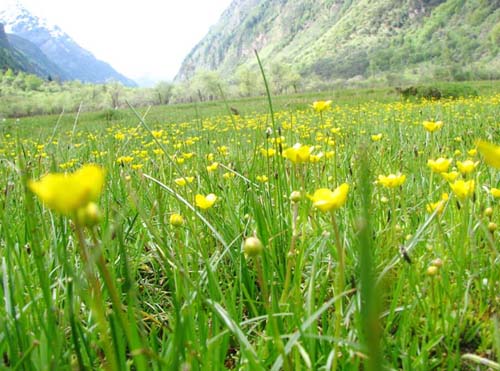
[{"x": 151, "y": 296}]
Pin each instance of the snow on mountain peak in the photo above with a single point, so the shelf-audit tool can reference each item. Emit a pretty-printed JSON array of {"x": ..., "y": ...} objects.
[{"x": 14, "y": 14}]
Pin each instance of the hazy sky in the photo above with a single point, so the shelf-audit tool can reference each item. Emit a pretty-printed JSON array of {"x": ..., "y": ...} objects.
[{"x": 141, "y": 39}]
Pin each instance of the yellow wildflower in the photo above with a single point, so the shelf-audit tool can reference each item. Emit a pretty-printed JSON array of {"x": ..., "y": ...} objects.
[
  {"x": 451, "y": 176},
  {"x": 66, "y": 193},
  {"x": 432, "y": 126},
  {"x": 392, "y": 180},
  {"x": 321, "y": 105},
  {"x": 124, "y": 159},
  {"x": 463, "y": 189},
  {"x": 205, "y": 202},
  {"x": 157, "y": 133},
  {"x": 268, "y": 153},
  {"x": 228, "y": 175},
  {"x": 495, "y": 192},
  {"x": 440, "y": 165},
  {"x": 376, "y": 137},
  {"x": 472, "y": 152},
  {"x": 438, "y": 205},
  {"x": 223, "y": 150},
  {"x": 262, "y": 178},
  {"x": 326, "y": 200},
  {"x": 467, "y": 166},
  {"x": 183, "y": 181},
  {"x": 212, "y": 167},
  {"x": 490, "y": 152},
  {"x": 298, "y": 153}
]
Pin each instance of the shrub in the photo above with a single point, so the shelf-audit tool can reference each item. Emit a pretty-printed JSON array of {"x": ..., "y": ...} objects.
[{"x": 438, "y": 91}]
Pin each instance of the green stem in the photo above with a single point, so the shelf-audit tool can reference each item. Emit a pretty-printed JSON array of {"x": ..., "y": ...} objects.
[
  {"x": 339, "y": 288},
  {"x": 291, "y": 254},
  {"x": 97, "y": 302}
]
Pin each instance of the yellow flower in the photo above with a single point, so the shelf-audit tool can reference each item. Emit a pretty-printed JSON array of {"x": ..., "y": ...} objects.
[
  {"x": 228, "y": 175},
  {"x": 467, "y": 166},
  {"x": 268, "y": 153},
  {"x": 451, "y": 176},
  {"x": 298, "y": 153},
  {"x": 326, "y": 200},
  {"x": 223, "y": 150},
  {"x": 432, "y": 126},
  {"x": 124, "y": 159},
  {"x": 391, "y": 181},
  {"x": 490, "y": 152},
  {"x": 119, "y": 136},
  {"x": 495, "y": 192},
  {"x": 262, "y": 178},
  {"x": 205, "y": 202},
  {"x": 462, "y": 189},
  {"x": 472, "y": 152},
  {"x": 212, "y": 167},
  {"x": 438, "y": 205},
  {"x": 321, "y": 105},
  {"x": 440, "y": 165},
  {"x": 316, "y": 158},
  {"x": 157, "y": 133},
  {"x": 66, "y": 193},
  {"x": 176, "y": 220},
  {"x": 376, "y": 137},
  {"x": 183, "y": 181}
]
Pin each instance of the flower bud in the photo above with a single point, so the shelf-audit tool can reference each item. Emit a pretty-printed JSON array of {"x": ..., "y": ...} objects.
[
  {"x": 488, "y": 212},
  {"x": 252, "y": 247},
  {"x": 492, "y": 227},
  {"x": 89, "y": 215},
  {"x": 432, "y": 270},
  {"x": 295, "y": 196},
  {"x": 438, "y": 263},
  {"x": 176, "y": 220}
]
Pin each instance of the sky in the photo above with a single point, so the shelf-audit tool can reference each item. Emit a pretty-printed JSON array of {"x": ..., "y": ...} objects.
[{"x": 142, "y": 39}]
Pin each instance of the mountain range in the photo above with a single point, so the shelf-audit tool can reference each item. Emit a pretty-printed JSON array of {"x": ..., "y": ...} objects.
[
  {"x": 33, "y": 45},
  {"x": 343, "y": 39}
]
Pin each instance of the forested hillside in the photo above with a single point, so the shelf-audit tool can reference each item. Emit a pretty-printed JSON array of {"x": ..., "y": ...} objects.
[{"x": 345, "y": 39}]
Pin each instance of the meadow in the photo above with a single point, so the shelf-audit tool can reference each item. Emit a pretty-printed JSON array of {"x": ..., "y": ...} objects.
[{"x": 352, "y": 234}]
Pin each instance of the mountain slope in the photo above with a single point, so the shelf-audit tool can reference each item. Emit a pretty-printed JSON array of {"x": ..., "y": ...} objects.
[
  {"x": 21, "y": 55},
  {"x": 345, "y": 38},
  {"x": 9, "y": 57},
  {"x": 75, "y": 62},
  {"x": 39, "y": 64}
]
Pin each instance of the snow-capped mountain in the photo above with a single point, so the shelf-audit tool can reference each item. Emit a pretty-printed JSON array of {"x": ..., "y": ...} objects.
[{"x": 76, "y": 62}]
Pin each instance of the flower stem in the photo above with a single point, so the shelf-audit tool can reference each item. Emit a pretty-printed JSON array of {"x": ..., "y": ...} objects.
[
  {"x": 339, "y": 288},
  {"x": 97, "y": 301}
]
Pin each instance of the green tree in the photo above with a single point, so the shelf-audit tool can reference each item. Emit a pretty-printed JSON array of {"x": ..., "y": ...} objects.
[
  {"x": 164, "y": 91},
  {"x": 33, "y": 82},
  {"x": 208, "y": 84},
  {"x": 246, "y": 80}
]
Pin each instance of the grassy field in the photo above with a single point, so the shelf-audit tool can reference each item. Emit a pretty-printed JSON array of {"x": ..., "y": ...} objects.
[{"x": 213, "y": 243}]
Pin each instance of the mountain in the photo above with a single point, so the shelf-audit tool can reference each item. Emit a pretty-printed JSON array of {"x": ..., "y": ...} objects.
[
  {"x": 341, "y": 39},
  {"x": 75, "y": 62},
  {"x": 38, "y": 63},
  {"x": 21, "y": 55},
  {"x": 9, "y": 57}
]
